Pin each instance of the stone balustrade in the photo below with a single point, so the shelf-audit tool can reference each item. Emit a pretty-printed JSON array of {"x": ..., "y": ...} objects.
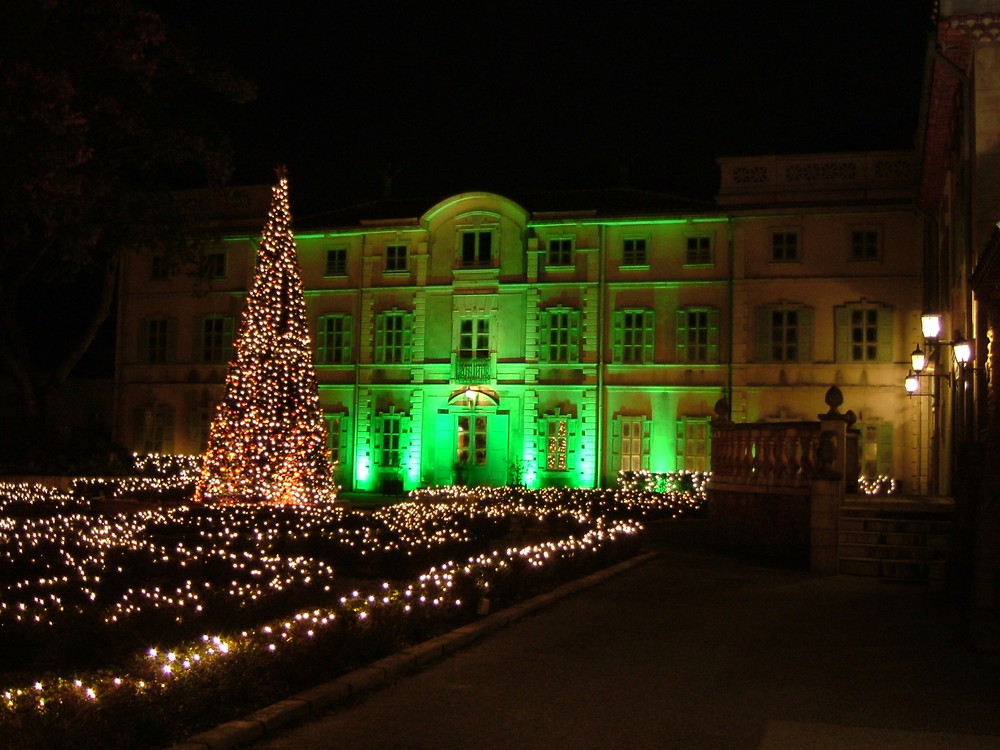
[{"x": 775, "y": 454}]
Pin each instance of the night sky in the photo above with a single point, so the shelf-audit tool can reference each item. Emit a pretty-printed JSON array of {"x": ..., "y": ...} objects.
[{"x": 450, "y": 96}]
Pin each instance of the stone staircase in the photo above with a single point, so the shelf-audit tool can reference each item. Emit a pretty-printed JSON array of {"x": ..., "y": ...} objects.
[{"x": 899, "y": 540}]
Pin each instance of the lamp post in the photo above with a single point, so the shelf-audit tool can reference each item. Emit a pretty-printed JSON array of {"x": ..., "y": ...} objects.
[{"x": 923, "y": 365}]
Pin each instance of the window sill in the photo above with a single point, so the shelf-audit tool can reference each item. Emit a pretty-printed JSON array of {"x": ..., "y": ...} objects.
[{"x": 634, "y": 267}]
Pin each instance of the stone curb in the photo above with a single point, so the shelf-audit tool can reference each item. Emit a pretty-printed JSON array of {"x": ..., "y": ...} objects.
[{"x": 239, "y": 732}]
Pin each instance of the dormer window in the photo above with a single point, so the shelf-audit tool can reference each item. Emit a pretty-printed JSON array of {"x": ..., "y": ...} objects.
[{"x": 477, "y": 248}]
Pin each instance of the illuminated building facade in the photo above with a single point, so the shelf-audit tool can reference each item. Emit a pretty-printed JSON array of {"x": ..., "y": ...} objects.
[{"x": 556, "y": 339}]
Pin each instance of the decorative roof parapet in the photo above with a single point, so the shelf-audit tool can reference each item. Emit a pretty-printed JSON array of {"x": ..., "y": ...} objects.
[{"x": 812, "y": 178}]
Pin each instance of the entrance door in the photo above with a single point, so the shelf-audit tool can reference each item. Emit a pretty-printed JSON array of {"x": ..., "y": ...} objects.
[{"x": 481, "y": 449}]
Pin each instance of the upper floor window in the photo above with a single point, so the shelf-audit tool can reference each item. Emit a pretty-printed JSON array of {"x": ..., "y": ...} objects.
[
  {"x": 214, "y": 265},
  {"x": 784, "y": 246},
  {"x": 213, "y": 341},
  {"x": 698, "y": 335},
  {"x": 633, "y": 337},
  {"x": 866, "y": 244},
  {"x": 157, "y": 340},
  {"x": 784, "y": 333},
  {"x": 864, "y": 333},
  {"x": 333, "y": 344},
  {"x": 477, "y": 248},
  {"x": 336, "y": 261},
  {"x": 396, "y": 258},
  {"x": 560, "y": 335},
  {"x": 393, "y": 337},
  {"x": 560, "y": 252},
  {"x": 699, "y": 251},
  {"x": 474, "y": 338},
  {"x": 635, "y": 251}
]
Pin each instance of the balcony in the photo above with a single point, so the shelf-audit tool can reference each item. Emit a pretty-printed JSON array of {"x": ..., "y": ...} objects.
[{"x": 473, "y": 369}]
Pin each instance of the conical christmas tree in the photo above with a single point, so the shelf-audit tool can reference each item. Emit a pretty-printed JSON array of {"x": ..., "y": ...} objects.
[{"x": 268, "y": 439}]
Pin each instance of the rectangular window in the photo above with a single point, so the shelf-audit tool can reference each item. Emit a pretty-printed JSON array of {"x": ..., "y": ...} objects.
[
  {"x": 396, "y": 258},
  {"x": 333, "y": 344},
  {"x": 633, "y": 337},
  {"x": 635, "y": 251},
  {"x": 157, "y": 340},
  {"x": 699, "y": 251},
  {"x": 214, "y": 266},
  {"x": 556, "y": 444},
  {"x": 471, "y": 447},
  {"x": 693, "y": 444},
  {"x": 560, "y": 252},
  {"x": 336, "y": 438},
  {"x": 214, "y": 340},
  {"x": 336, "y": 261},
  {"x": 560, "y": 335},
  {"x": 698, "y": 335},
  {"x": 477, "y": 249},
  {"x": 864, "y": 333},
  {"x": 784, "y": 246},
  {"x": 389, "y": 439},
  {"x": 784, "y": 333},
  {"x": 474, "y": 338},
  {"x": 630, "y": 443},
  {"x": 393, "y": 337},
  {"x": 866, "y": 244}
]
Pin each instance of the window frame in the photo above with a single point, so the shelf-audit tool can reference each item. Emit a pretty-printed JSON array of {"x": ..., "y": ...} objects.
[
  {"x": 640, "y": 429},
  {"x": 635, "y": 251},
  {"x": 846, "y": 338},
  {"x": 632, "y": 339},
  {"x": 559, "y": 252},
  {"x": 476, "y": 258},
  {"x": 863, "y": 248},
  {"x": 216, "y": 265},
  {"x": 766, "y": 345},
  {"x": 780, "y": 249},
  {"x": 699, "y": 256},
  {"x": 686, "y": 348},
  {"x": 336, "y": 262},
  {"x": 330, "y": 351},
  {"x": 397, "y": 258},
  {"x": 401, "y": 344},
  {"x": 559, "y": 344},
  {"x": 164, "y": 349},
  {"x": 223, "y": 351},
  {"x": 682, "y": 442}
]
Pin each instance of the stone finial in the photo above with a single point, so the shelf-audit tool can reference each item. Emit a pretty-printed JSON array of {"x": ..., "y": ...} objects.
[{"x": 834, "y": 398}]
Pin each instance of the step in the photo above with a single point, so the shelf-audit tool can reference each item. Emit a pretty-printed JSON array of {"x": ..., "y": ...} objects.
[
  {"x": 936, "y": 541},
  {"x": 893, "y": 552},
  {"x": 894, "y": 570}
]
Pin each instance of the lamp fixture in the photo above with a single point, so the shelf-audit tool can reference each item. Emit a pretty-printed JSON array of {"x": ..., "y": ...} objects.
[
  {"x": 918, "y": 360},
  {"x": 930, "y": 325}
]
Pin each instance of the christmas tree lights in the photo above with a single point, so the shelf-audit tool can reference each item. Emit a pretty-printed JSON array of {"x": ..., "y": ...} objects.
[{"x": 268, "y": 439}]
